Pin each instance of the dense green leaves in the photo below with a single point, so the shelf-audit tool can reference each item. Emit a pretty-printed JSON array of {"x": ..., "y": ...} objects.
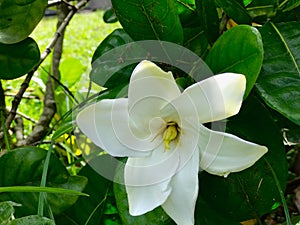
[
  {"x": 239, "y": 50},
  {"x": 252, "y": 192},
  {"x": 153, "y": 20},
  {"x": 279, "y": 81},
  {"x": 91, "y": 210},
  {"x": 18, "y": 59},
  {"x": 27, "y": 170},
  {"x": 18, "y": 18}
]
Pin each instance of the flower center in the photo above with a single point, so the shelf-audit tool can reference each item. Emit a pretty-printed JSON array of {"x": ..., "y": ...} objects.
[{"x": 171, "y": 133}]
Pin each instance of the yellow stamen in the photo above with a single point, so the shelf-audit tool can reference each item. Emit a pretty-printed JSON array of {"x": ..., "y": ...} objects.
[{"x": 170, "y": 134}]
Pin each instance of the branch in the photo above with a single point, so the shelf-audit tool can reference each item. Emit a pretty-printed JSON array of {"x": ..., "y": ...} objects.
[{"x": 25, "y": 84}]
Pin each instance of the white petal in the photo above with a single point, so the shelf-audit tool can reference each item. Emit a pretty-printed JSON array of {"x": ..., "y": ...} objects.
[
  {"x": 147, "y": 180},
  {"x": 215, "y": 98},
  {"x": 150, "y": 88},
  {"x": 223, "y": 153},
  {"x": 106, "y": 123},
  {"x": 180, "y": 205}
]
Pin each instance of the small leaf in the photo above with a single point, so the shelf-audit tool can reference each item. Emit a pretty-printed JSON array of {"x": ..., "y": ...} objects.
[
  {"x": 153, "y": 20},
  {"x": 19, "y": 18},
  {"x": 279, "y": 81},
  {"x": 32, "y": 220},
  {"x": 18, "y": 59},
  {"x": 238, "y": 50}
]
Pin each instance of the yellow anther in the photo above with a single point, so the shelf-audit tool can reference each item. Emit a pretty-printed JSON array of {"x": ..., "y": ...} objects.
[{"x": 169, "y": 135}]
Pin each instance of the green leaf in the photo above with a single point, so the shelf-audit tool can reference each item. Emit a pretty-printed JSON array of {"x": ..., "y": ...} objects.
[
  {"x": 195, "y": 40},
  {"x": 40, "y": 189},
  {"x": 252, "y": 192},
  {"x": 279, "y": 81},
  {"x": 292, "y": 4},
  {"x": 64, "y": 128},
  {"x": 154, "y": 217},
  {"x": 90, "y": 210},
  {"x": 235, "y": 10},
  {"x": 18, "y": 18},
  {"x": 23, "y": 167},
  {"x": 117, "y": 38},
  {"x": 209, "y": 18},
  {"x": 110, "y": 16},
  {"x": 18, "y": 59},
  {"x": 149, "y": 20},
  {"x": 71, "y": 70},
  {"x": 6, "y": 211},
  {"x": 114, "y": 75},
  {"x": 32, "y": 220},
  {"x": 238, "y": 50}
]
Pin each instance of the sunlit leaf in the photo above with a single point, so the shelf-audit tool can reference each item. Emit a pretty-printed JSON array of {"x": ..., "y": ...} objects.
[
  {"x": 279, "y": 81},
  {"x": 239, "y": 50},
  {"x": 18, "y": 59},
  {"x": 18, "y": 18}
]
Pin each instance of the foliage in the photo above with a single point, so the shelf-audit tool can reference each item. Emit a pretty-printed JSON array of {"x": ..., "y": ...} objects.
[{"x": 259, "y": 39}]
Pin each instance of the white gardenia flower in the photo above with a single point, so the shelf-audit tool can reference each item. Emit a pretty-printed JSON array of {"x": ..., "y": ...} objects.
[{"x": 160, "y": 130}]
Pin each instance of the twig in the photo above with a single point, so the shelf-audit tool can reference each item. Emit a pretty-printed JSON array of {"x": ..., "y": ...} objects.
[{"x": 25, "y": 84}]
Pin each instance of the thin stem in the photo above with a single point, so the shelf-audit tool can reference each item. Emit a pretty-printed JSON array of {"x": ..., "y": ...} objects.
[
  {"x": 48, "y": 50},
  {"x": 285, "y": 207},
  {"x": 43, "y": 181}
]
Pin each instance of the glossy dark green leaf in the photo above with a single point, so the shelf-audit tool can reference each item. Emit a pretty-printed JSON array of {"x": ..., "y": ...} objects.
[
  {"x": 235, "y": 10},
  {"x": 251, "y": 192},
  {"x": 149, "y": 19},
  {"x": 110, "y": 16},
  {"x": 117, "y": 38},
  {"x": 91, "y": 209},
  {"x": 279, "y": 81},
  {"x": 196, "y": 41},
  {"x": 209, "y": 18},
  {"x": 238, "y": 50},
  {"x": 32, "y": 220},
  {"x": 154, "y": 217},
  {"x": 23, "y": 167},
  {"x": 18, "y": 59},
  {"x": 187, "y": 13},
  {"x": 111, "y": 76},
  {"x": 18, "y": 18}
]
